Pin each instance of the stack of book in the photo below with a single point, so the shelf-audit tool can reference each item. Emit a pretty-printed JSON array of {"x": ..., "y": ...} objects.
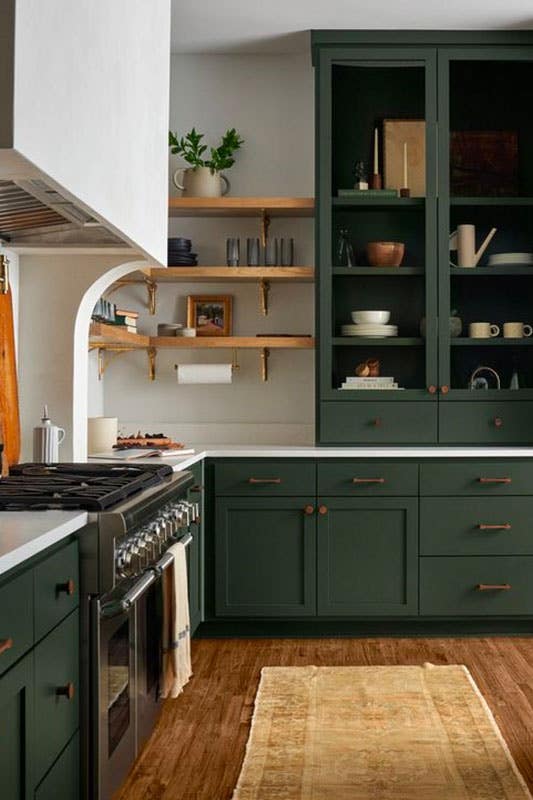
[
  {"x": 370, "y": 383},
  {"x": 126, "y": 319}
]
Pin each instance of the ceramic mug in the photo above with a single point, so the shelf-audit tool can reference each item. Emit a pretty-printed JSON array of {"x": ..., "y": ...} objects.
[
  {"x": 483, "y": 330},
  {"x": 516, "y": 330}
]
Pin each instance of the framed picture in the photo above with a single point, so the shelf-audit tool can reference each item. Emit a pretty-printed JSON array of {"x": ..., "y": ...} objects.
[
  {"x": 210, "y": 314},
  {"x": 396, "y": 133}
]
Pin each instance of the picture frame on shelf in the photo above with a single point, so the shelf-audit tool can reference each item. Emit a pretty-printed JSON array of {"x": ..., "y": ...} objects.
[
  {"x": 210, "y": 314},
  {"x": 397, "y": 133}
]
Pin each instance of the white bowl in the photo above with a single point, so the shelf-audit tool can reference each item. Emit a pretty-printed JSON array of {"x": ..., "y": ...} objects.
[{"x": 379, "y": 317}]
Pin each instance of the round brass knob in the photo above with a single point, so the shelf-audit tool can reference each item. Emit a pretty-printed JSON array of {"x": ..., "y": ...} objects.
[
  {"x": 66, "y": 691},
  {"x": 432, "y": 389},
  {"x": 377, "y": 422},
  {"x": 498, "y": 422},
  {"x": 444, "y": 389},
  {"x": 69, "y": 587},
  {"x": 308, "y": 510},
  {"x": 322, "y": 510}
]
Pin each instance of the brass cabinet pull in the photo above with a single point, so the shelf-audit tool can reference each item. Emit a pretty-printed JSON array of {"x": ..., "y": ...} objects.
[
  {"x": 432, "y": 389},
  {"x": 196, "y": 488},
  {"x": 308, "y": 510},
  {"x": 505, "y": 526},
  {"x": 66, "y": 691},
  {"x": 69, "y": 587},
  {"x": 5, "y": 644},
  {"x": 489, "y": 587},
  {"x": 495, "y": 480},
  {"x": 264, "y": 480},
  {"x": 377, "y": 422},
  {"x": 322, "y": 510},
  {"x": 498, "y": 422},
  {"x": 444, "y": 389},
  {"x": 368, "y": 480}
]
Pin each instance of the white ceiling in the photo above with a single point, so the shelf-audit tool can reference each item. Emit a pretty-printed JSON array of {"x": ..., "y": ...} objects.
[{"x": 281, "y": 26}]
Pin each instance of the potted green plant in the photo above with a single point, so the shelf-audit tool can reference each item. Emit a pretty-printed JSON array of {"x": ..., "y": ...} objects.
[{"x": 204, "y": 178}]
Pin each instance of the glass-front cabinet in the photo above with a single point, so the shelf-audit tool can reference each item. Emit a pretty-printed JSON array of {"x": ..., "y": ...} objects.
[{"x": 424, "y": 238}]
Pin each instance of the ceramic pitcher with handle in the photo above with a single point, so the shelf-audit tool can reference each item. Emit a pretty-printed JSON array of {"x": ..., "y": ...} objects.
[
  {"x": 464, "y": 241},
  {"x": 46, "y": 440},
  {"x": 201, "y": 182}
]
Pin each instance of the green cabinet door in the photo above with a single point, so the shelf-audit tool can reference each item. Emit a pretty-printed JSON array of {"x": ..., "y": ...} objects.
[
  {"x": 195, "y": 557},
  {"x": 367, "y": 556},
  {"x": 16, "y": 713},
  {"x": 265, "y": 554}
]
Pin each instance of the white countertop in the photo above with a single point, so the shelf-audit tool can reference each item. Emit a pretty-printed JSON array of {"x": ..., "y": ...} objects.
[
  {"x": 24, "y": 534},
  {"x": 299, "y": 451}
]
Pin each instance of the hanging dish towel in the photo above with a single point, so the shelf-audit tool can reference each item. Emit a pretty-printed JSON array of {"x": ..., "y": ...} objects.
[{"x": 176, "y": 625}]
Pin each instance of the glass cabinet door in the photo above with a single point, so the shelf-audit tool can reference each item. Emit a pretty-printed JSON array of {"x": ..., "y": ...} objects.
[
  {"x": 377, "y": 247},
  {"x": 486, "y": 183}
]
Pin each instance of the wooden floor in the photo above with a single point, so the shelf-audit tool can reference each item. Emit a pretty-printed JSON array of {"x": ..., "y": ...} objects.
[{"x": 196, "y": 751}]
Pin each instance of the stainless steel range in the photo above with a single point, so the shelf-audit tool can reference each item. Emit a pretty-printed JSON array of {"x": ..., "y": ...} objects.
[{"x": 135, "y": 514}]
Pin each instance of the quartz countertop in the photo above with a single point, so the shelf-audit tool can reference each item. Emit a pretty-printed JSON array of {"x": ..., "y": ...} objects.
[{"x": 24, "y": 534}]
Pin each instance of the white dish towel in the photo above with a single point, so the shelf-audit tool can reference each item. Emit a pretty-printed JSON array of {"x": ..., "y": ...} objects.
[{"x": 176, "y": 625}]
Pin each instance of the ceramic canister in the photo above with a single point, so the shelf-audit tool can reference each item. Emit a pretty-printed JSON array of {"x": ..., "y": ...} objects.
[{"x": 46, "y": 440}]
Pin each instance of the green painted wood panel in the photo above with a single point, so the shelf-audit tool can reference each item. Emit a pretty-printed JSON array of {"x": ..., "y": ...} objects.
[
  {"x": 63, "y": 780},
  {"x": 378, "y": 423},
  {"x": 465, "y": 526},
  {"x": 195, "y": 552},
  {"x": 363, "y": 478},
  {"x": 16, "y": 617},
  {"x": 368, "y": 557},
  {"x": 486, "y": 423},
  {"x": 258, "y": 477},
  {"x": 56, "y": 717},
  {"x": 52, "y": 603},
  {"x": 448, "y": 586},
  {"x": 265, "y": 557},
  {"x": 16, "y": 713},
  {"x": 474, "y": 477}
]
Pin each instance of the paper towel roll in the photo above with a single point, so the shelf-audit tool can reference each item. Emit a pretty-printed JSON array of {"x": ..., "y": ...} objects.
[
  {"x": 204, "y": 373},
  {"x": 102, "y": 434}
]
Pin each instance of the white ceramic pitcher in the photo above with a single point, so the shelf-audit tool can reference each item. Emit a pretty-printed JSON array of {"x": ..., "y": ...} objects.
[
  {"x": 46, "y": 440},
  {"x": 464, "y": 241}
]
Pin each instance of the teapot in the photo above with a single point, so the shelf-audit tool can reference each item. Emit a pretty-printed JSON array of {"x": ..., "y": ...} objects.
[{"x": 464, "y": 241}]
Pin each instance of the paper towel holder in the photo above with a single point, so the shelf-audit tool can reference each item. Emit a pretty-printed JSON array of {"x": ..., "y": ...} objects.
[{"x": 234, "y": 363}]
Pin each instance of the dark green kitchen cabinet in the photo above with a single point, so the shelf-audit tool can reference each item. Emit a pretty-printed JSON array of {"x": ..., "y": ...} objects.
[
  {"x": 472, "y": 93},
  {"x": 265, "y": 556},
  {"x": 195, "y": 551},
  {"x": 63, "y": 780},
  {"x": 367, "y": 556},
  {"x": 16, "y": 731}
]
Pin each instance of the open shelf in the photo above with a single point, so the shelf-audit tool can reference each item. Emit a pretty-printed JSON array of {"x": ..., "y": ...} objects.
[
  {"x": 382, "y": 271},
  {"x": 365, "y": 341},
  {"x": 101, "y": 334},
  {"x": 241, "y": 206},
  {"x": 486, "y": 272},
  {"x": 234, "y": 274},
  {"x": 379, "y": 202},
  {"x": 235, "y": 342}
]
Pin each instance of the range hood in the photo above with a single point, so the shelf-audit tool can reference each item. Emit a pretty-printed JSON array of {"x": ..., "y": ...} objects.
[{"x": 35, "y": 214}]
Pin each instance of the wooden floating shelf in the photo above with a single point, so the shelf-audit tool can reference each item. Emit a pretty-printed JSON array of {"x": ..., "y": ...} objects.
[
  {"x": 234, "y": 342},
  {"x": 232, "y": 274},
  {"x": 383, "y": 271},
  {"x": 486, "y": 272},
  {"x": 241, "y": 206},
  {"x": 495, "y": 341},
  {"x": 379, "y": 202},
  {"x": 390, "y": 341},
  {"x": 102, "y": 335},
  {"x": 491, "y": 201}
]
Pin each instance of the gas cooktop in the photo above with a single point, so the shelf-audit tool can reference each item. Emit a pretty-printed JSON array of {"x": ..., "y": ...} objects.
[{"x": 89, "y": 487}]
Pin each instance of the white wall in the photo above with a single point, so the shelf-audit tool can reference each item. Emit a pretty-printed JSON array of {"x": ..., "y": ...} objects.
[
  {"x": 269, "y": 99},
  {"x": 91, "y": 106}
]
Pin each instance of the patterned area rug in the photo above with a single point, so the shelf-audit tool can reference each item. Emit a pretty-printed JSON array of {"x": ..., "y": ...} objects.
[{"x": 375, "y": 733}]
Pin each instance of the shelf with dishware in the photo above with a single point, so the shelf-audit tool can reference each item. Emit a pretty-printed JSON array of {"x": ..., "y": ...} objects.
[
  {"x": 377, "y": 341},
  {"x": 383, "y": 272},
  {"x": 495, "y": 342},
  {"x": 373, "y": 202}
]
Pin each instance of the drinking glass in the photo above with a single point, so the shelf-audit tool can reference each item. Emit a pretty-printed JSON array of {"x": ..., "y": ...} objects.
[
  {"x": 271, "y": 253},
  {"x": 253, "y": 252},
  {"x": 287, "y": 252},
  {"x": 233, "y": 252}
]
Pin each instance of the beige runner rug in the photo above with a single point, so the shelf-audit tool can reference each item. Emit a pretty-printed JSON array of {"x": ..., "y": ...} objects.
[{"x": 375, "y": 733}]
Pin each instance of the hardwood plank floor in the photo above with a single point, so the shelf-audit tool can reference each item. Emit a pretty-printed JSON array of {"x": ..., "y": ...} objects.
[{"x": 196, "y": 750}]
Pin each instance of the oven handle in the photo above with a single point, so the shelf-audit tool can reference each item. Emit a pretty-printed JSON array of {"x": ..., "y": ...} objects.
[
  {"x": 166, "y": 560},
  {"x": 122, "y": 605}
]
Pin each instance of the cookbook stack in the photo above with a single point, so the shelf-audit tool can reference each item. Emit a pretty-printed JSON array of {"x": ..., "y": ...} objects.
[{"x": 352, "y": 383}]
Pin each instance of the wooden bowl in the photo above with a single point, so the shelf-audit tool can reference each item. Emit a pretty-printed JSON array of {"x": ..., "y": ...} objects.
[{"x": 385, "y": 254}]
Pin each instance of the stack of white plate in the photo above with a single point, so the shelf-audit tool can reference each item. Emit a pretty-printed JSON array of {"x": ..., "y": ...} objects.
[
  {"x": 510, "y": 259},
  {"x": 370, "y": 329}
]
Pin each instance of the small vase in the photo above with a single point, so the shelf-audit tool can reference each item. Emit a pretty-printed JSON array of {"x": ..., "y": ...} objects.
[{"x": 201, "y": 182}]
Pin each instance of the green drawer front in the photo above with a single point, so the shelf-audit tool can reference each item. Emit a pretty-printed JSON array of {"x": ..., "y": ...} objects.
[
  {"x": 476, "y": 478},
  {"x": 378, "y": 423},
  {"x": 16, "y": 619},
  {"x": 486, "y": 423},
  {"x": 52, "y": 598},
  {"x": 363, "y": 479},
  {"x": 448, "y": 586},
  {"x": 458, "y": 526},
  {"x": 63, "y": 780},
  {"x": 56, "y": 716},
  {"x": 258, "y": 477}
]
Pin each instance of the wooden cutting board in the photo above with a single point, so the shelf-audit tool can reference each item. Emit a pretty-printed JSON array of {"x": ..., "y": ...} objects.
[{"x": 9, "y": 402}]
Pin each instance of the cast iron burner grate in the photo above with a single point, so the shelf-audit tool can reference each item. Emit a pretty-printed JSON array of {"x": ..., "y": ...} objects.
[{"x": 91, "y": 487}]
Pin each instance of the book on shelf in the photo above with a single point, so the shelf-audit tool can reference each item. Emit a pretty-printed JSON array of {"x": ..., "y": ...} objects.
[
  {"x": 125, "y": 312},
  {"x": 367, "y": 193},
  {"x": 367, "y": 381},
  {"x": 121, "y": 319},
  {"x": 130, "y": 453},
  {"x": 376, "y": 387}
]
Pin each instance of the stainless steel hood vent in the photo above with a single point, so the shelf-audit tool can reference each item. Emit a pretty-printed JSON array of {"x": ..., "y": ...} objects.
[{"x": 33, "y": 214}]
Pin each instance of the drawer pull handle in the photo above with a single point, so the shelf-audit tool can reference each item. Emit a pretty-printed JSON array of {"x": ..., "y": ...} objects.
[
  {"x": 495, "y": 480},
  {"x": 432, "y": 389},
  {"x": 5, "y": 644},
  {"x": 491, "y": 587},
  {"x": 505, "y": 526},
  {"x": 196, "y": 488},
  {"x": 377, "y": 422},
  {"x": 264, "y": 480},
  {"x": 69, "y": 587},
  {"x": 322, "y": 510},
  {"x": 308, "y": 510},
  {"x": 498, "y": 422},
  {"x": 368, "y": 480},
  {"x": 66, "y": 691},
  {"x": 444, "y": 389}
]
